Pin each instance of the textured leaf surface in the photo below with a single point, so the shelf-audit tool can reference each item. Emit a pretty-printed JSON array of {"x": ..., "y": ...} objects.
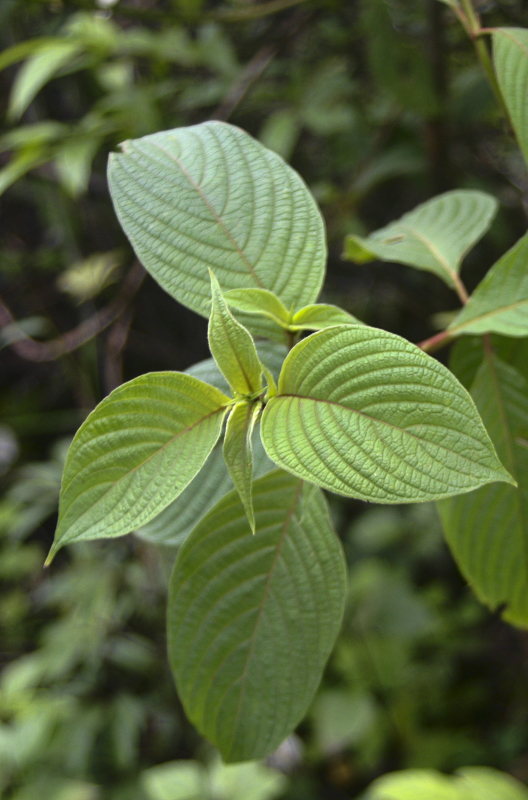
[
  {"x": 510, "y": 56},
  {"x": 366, "y": 414},
  {"x": 499, "y": 304},
  {"x": 435, "y": 236},
  {"x": 318, "y": 316},
  {"x": 175, "y": 523},
  {"x": 252, "y": 619},
  {"x": 135, "y": 453},
  {"x": 488, "y": 529},
  {"x": 232, "y": 347},
  {"x": 211, "y": 196},
  {"x": 238, "y": 453}
]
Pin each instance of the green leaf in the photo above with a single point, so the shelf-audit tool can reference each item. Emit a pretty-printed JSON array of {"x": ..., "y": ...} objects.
[
  {"x": 319, "y": 316},
  {"x": 366, "y": 414},
  {"x": 232, "y": 347},
  {"x": 485, "y": 783},
  {"x": 73, "y": 163},
  {"x": 37, "y": 71},
  {"x": 20, "y": 165},
  {"x": 510, "y": 57},
  {"x": 22, "y": 50},
  {"x": 258, "y": 301},
  {"x": 252, "y": 781},
  {"x": 175, "y": 523},
  {"x": 469, "y": 783},
  {"x": 176, "y": 780},
  {"x": 435, "y": 236},
  {"x": 135, "y": 453},
  {"x": 487, "y": 530},
  {"x": 238, "y": 453},
  {"x": 252, "y": 619},
  {"x": 499, "y": 304},
  {"x": 211, "y": 196}
]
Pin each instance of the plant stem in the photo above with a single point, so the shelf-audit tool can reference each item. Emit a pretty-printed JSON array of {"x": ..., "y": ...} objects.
[{"x": 435, "y": 342}]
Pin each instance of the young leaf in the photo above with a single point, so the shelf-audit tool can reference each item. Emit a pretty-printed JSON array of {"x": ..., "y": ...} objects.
[
  {"x": 366, "y": 414},
  {"x": 211, "y": 196},
  {"x": 510, "y": 56},
  {"x": 435, "y": 236},
  {"x": 258, "y": 301},
  {"x": 232, "y": 347},
  {"x": 37, "y": 71},
  {"x": 488, "y": 529},
  {"x": 499, "y": 304},
  {"x": 238, "y": 453},
  {"x": 175, "y": 523},
  {"x": 252, "y": 619},
  {"x": 135, "y": 453},
  {"x": 319, "y": 316}
]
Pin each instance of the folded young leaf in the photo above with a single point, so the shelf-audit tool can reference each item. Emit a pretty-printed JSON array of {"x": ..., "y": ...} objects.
[
  {"x": 252, "y": 619},
  {"x": 435, "y": 236},
  {"x": 135, "y": 453},
  {"x": 487, "y": 530},
  {"x": 318, "y": 316},
  {"x": 211, "y": 196},
  {"x": 232, "y": 347},
  {"x": 510, "y": 57},
  {"x": 366, "y": 414},
  {"x": 258, "y": 301},
  {"x": 499, "y": 304},
  {"x": 238, "y": 452},
  {"x": 175, "y": 523}
]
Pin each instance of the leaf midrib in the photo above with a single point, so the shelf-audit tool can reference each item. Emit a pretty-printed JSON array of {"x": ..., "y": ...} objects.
[{"x": 492, "y": 313}]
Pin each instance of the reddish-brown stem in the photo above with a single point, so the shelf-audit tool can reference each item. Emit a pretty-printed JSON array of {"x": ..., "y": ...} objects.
[{"x": 435, "y": 342}]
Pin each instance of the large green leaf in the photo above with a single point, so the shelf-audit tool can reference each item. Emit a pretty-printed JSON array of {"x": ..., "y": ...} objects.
[
  {"x": 232, "y": 347},
  {"x": 211, "y": 196},
  {"x": 135, "y": 453},
  {"x": 366, "y": 414},
  {"x": 487, "y": 530},
  {"x": 510, "y": 56},
  {"x": 435, "y": 236},
  {"x": 252, "y": 619},
  {"x": 175, "y": 523},
  {"x": 499, "y": 304},
  {"x": 238, "y": 453}
]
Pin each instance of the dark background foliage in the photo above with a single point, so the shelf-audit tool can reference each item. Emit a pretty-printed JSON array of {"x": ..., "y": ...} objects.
[{"x": 379, "y": 104}]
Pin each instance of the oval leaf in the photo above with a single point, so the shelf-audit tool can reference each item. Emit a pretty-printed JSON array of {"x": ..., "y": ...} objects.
[
  {"x": 499, "y": 304},
  {"x": 211, "y": 196},
  {"x": 510, "y": 57},
  {"x": 232, "y": 347},
  {"x": 135, "y": 453},
  {"x": 366, "y": 414},
  {"x": 487, "y": 530},
  {"x": 252, "y": 619},
  {"x": 435, "y": 236}
]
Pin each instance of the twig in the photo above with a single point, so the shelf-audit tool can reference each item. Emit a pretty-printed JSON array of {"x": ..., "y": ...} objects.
[
  {"x": 33, "y": 350},
  {"x": 251, "y": 72},
  {"x": 115, "y": 344}
]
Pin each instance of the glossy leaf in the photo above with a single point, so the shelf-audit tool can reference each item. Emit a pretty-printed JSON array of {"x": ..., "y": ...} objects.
[
  {"x": 175, "y": 523},
  {"x": 238, "y": 453},
  {"x": 510, "y": 57},
  {"x": 487, "y": 530},
  {"x": 252, "y": 619},
  {"x": 318, "y": 316},
  {"x": 366, "y": 414},
  {"x": 211, "y": 196},
  {"x": 258, "y": 301},
  {"x": 499, "y": 304},
  {"x": 37, "y": 71},
  {"x": 435, "y": 236},
  {"x": 135, "y": 453},
  {"x": 232, "y": 347}
]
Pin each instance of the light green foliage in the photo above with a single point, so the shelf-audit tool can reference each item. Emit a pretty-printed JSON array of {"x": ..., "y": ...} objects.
[
  {"x": 250, "y": 625},
  {"x": 435, "y": 236},
  {"x": 259, "y": 301},
  {"x": 210, "y": 196},
  {"x": 499, "y": 304},
  {"x": 510, "y": 56},
  {"x": 232, "y": 347},
  {"x": 488, "y": 529},
  {"x": 469, "y": 783},
  {"x": 238, "y": 452},
  {"x": 366, "y": 414},
  {"x": 135, "y": 453},
  {"x": 320, "y": 315}
]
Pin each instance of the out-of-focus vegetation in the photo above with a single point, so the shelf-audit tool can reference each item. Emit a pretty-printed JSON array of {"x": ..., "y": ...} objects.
[{"x": 379, "y": 104}]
